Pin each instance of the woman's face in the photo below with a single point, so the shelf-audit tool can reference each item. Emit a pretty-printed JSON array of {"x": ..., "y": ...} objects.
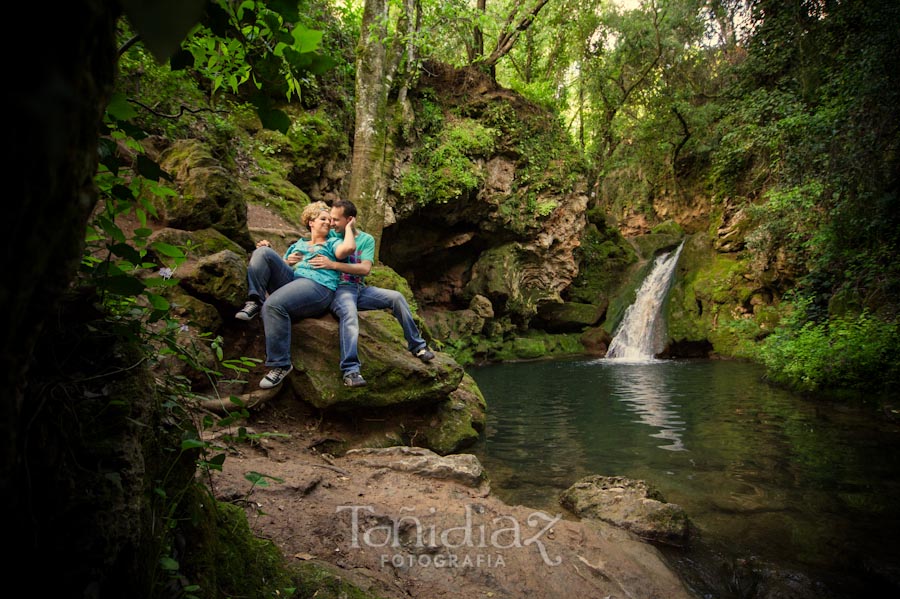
[{"x": 321, "y": 224}]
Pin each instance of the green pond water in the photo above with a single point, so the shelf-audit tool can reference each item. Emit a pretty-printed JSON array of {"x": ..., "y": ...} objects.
[{"x": 787, "y": 493}]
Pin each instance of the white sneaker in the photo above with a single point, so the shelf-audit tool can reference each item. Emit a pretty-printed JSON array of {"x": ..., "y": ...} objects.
[
  {"x": 275, "y": 376},
  {"x": 249, "y": 311}
]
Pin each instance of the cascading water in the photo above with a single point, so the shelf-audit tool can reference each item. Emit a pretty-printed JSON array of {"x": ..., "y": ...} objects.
[{"x": 641, "y": 333}]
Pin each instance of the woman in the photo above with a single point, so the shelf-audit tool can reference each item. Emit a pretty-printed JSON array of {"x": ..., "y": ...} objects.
[{"x": 286, "y": 288}]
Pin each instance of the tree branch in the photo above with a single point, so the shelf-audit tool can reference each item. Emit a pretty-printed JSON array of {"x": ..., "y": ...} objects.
[
  {"x": 181, "y": 111},
  {"x": 506, "y": 40}
]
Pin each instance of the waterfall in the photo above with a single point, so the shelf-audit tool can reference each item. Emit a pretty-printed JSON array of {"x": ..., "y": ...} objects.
[{"x": 641, "y": 333}]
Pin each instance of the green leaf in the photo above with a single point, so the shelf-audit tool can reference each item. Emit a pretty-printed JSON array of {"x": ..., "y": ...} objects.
[
  {"x": 182, "y": 59},
  {"x": 217, "y": 460},
  {"x": 122, "y": 285},
  {"x": 164, "y": 23},
  {"x": 107, "y": 150},
  {"x": 274, "y": 119},
  {"x": 161, "y": 282},
  {"x": 123, "y": 250},
  {"x": 122, "y": 192},
  {"x": 288, "y": 9},
  {"x": 119, "y": 108},
  {"x": 149, "y": 169},
  {"x": 192, "y": 444},
  {"x": 167, "y": 249},
  {"x": 167, "y": 563},
  {"x": 321, "y": 64},
  {"x": 306, "y": 40},
  {"x": 158, "y": 302}
]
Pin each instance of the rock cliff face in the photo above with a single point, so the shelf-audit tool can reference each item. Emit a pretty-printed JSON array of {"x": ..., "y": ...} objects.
[
  {"x": 490, "y": 224},
  {"x": 509, "y": 242}
]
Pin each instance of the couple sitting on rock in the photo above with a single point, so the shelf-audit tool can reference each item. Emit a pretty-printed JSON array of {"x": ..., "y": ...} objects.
[{"x": 326, "y": 271}]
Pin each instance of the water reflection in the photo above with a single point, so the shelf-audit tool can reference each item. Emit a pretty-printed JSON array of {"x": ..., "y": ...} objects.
[
  {"x": 643, "y": 388},
  {"x": 760, "y": 472}
]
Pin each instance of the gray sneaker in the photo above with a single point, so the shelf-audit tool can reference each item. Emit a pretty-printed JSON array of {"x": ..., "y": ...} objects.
[
  {"x": 249, "y": 311},
  {"x": 354, "y": 379},
  {"x": 425, "y": 354},
  {"x": 275, "y": 376}
]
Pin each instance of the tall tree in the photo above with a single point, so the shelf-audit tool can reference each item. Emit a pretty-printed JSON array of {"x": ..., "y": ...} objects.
[{"x": 383, "y": 53}]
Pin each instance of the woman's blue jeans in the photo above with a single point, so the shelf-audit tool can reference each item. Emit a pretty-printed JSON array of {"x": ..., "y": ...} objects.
[{"x": 288, "y": 299}]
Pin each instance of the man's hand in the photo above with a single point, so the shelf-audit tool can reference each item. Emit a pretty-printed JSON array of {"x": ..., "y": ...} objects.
[
  {"x": 320, "y": 261},
  {"x": 263, "y": 243}
]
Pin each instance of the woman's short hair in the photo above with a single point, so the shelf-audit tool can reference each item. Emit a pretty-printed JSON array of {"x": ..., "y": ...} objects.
[{"x": 312, "y": 211}]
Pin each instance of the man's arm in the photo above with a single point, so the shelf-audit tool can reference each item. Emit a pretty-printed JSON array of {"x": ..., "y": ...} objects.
[
  {"x": 348, "y": 245},
  {"x": 362, "y": 269}
]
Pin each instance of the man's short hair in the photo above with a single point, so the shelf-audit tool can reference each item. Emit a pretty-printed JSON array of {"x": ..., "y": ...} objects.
[{"x": 348, "y": 207}]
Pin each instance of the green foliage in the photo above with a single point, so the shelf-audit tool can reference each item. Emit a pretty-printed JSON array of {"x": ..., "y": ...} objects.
[
  {"x": 132, "y": 276},
  {"x": 444, "y": 168},
  {"x": 603, "y": 257},
  {"x": 263, "y": 43},
  {"x": 856, "y": 352}
]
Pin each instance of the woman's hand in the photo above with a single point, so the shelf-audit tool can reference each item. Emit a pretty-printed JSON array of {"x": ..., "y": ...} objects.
[
  {"x": 294, "y": 258},
  {"x": 263, "y": 243}
]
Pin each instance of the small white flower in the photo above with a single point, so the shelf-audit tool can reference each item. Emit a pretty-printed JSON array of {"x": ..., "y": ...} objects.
[
  {"x": 184, "y": 328},
  {"x": 166, "y": 272}
]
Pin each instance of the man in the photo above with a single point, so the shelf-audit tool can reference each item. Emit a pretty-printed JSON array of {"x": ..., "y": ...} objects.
[{"x": 352, "y": 295}]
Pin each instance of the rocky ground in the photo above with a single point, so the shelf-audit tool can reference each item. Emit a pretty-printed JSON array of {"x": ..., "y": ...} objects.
[{"x": 407, "y": 523}]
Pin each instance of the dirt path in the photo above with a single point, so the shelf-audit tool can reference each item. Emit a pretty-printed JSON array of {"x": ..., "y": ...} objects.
[{"x": 407, "y": 523}]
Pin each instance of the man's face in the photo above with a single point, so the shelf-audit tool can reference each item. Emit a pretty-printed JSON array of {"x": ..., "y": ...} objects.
[{"x": 338, "y": 220}]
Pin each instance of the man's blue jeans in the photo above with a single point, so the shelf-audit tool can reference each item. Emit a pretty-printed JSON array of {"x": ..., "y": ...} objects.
[
  {"x": 349, "y": 300},
  {"x": 288, "y": 299}
]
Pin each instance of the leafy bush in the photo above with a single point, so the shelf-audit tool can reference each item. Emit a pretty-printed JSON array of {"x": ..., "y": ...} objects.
[
  {"x": 855, "y": 352},
  {"x": 444, "y": 169}
]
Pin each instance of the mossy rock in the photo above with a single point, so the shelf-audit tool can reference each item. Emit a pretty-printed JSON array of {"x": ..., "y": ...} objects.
[
  {"x": 653, "y": 243},
  {"x": 227, "y": 560},
  {"x": 496, "y": 275},
  {"x": 325, "y": 581},
  {"x": 395, "y": 377},
  {"x": 711, "y": 300},
  {"x": 197, "y": 243},
  {"x": 209, "y": 193},
  {"x": 387, "y": 278},
  {"x": 568, "y": 317},
  {"x": 279, "y": 195},
  {"x": 458, "y": 421},
  {"x": 454, "y": 325},
  {"x": 605, "y": 256},
  {"x": 219, "y": 279},
  {"x": 668, "y": 227}
]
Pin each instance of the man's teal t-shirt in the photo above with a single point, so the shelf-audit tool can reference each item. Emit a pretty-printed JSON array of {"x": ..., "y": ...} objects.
[
  {"x": 323, "y": 276},
  {"x": 365, "y": 250}
]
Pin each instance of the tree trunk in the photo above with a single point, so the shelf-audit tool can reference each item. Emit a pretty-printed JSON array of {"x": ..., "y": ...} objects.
[
  {"x": 56, "y": 93},
  {"x": 376, "y": 68},
  {"x": 367, "y": 183},
  {"x": 477, "y": 34}
]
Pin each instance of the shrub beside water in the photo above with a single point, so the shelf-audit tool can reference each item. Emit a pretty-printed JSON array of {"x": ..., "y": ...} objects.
[{"x": 851, "y": 351}]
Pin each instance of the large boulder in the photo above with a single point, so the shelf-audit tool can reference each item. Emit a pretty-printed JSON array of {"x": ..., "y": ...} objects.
[
  {"x": 209, "y": 193},
  {"x": 395, "y": 377},
  {"x": 568, "y": 317},
  {"x": 630, "y": 504}
]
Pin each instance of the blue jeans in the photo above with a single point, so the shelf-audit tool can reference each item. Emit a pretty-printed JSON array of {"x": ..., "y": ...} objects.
[
  {"x": 284, "y": 299},
  {"x": 267, "y": 272},
  {"x": 350, "y": 299}
]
